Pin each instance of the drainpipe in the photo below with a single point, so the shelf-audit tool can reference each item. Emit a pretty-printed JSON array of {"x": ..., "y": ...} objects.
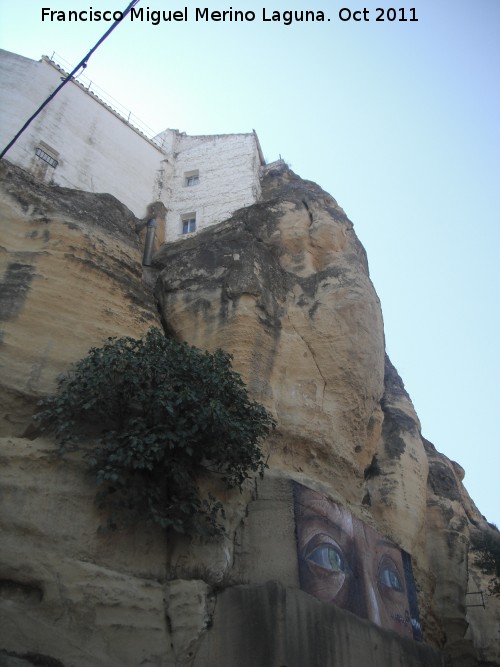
[{"x": 149, "y": 243}]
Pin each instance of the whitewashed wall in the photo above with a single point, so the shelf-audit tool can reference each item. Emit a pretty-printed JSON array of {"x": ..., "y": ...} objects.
[
  {"x": 98, "y": 151},
  {"x": 229, "y": 177}
]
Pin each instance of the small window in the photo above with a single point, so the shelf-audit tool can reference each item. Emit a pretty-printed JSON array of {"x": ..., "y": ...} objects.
[
  {"x": 189, "y": 223},
  {"x": 191, "y": 178},
  {"x": 43, "y": 155}
]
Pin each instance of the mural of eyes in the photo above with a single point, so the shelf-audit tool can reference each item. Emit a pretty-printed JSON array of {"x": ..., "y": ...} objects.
[
  {"x": 389, "y": 577},
  {"x": 329, "y": 557}
]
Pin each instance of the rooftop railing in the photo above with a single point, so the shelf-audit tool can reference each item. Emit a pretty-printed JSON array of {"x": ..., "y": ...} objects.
[{"x": 107, "y": 100}]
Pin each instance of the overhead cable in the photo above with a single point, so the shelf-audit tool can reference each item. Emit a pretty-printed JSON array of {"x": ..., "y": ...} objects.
[{"x": 81, "y": 64}]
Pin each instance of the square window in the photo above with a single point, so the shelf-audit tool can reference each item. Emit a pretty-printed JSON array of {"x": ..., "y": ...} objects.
[
  {"x": 191, "y": 178},
  {"x": 189, "y": 224}
]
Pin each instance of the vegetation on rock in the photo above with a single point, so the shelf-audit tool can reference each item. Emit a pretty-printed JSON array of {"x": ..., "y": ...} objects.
[
  {"x": 159, "y": 415},
  {"x": 486, "y": 545}
]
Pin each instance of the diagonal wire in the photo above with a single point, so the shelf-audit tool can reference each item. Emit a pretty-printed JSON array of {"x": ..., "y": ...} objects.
[{"x": 81, "y": 64}]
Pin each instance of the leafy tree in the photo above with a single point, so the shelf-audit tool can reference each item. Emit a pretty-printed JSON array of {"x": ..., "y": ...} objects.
[{"x": 159, "y": 414}]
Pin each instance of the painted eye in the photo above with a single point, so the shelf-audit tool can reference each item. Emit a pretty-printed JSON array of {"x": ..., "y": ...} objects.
[
  {"x": 328, "y": 557},
  {"x": 389, "y": 578}
]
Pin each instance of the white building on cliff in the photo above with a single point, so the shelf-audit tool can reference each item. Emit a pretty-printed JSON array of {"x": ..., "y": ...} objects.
[{"x": 80, "y": 141}]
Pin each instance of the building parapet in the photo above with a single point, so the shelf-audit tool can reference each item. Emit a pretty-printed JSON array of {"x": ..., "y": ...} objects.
[
  {"x": 106, "y": 100},
  {"x": 200, "y": 179}
]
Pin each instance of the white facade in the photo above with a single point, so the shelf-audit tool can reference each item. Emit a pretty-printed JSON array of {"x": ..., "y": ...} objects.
[
  {"x": 79, "y": 142},
  {"x": 95, "y": 149},
  {"x": 209, "y": 177}
]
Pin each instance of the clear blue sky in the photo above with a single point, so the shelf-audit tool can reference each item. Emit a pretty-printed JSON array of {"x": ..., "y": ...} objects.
[{"x": 399, "y": 121}]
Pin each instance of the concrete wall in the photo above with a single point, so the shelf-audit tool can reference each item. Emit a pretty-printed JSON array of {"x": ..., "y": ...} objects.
[
  {"x": 228, "y": 167},
  {"x": 96, "y": 150},
  {"x": 273, "y": 626}
]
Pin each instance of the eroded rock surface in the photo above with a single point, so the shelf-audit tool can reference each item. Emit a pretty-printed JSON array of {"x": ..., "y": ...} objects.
[
  {"x": 68, "y": 590},
  {"x": 284, "y": 287},
  {"x": 70, "y": 276}
]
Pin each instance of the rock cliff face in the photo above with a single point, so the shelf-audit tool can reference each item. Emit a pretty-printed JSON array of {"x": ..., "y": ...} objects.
[
  {"x": 70, "y": 277},
  {"x": 284, "y": 287}
]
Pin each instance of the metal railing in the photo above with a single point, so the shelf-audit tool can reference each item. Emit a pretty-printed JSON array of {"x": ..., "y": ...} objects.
[{"x": 107, "y": 100}]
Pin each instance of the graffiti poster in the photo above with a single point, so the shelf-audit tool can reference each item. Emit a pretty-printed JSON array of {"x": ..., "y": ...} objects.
[{"x": 344, "y": 561}]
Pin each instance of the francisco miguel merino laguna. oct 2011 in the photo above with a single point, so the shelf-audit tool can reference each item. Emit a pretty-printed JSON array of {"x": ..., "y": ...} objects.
[{"x": 155, "y": 17}]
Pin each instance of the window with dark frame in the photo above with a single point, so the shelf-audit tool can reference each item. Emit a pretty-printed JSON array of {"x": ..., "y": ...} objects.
[{"x": 39, "y": 152}]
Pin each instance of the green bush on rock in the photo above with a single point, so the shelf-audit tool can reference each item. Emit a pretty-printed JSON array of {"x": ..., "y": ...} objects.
[
  {"x": 158, "y": 414},
  {"x": 485, "y": 544}
]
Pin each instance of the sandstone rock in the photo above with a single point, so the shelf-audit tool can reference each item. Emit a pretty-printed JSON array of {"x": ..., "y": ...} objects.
[
  {"x": 70, "y": 267},
  {"x": 398, "y": 492},
  {"x": 483, "y": 607},
  {"x": 189, "y": 610},
  {"x": 67, "y": 590},
  {"x": 284, "y": 287}
]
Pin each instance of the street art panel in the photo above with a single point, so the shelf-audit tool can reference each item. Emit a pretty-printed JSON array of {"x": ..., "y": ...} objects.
[{"x": 344, "y": 561}]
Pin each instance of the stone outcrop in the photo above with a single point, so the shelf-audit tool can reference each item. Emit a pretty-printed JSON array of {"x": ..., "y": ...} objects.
[
  {"x": 284, "y": 286},
  {"x": 67, "y": 589},
  {"x": 70, "y": 267}
]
